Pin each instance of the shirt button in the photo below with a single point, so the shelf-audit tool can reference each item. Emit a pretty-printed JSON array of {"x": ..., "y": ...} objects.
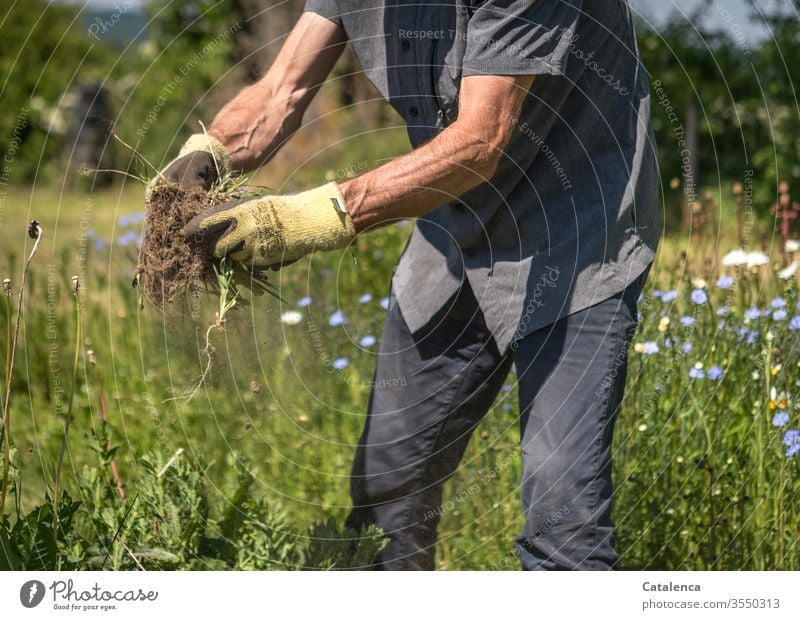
[
  {"x": 413, "y": 111},
  {"x": 405, "y": 45}
]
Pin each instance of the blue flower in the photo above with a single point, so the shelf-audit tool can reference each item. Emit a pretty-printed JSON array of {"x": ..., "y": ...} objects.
[
  {"x": 715, "y": 373},
  {"x": 304, "y": 302},
  {"x": 724, "y": 282},
  {"x": 340, "y": 363},
  {"x": 752, "y": 313},
  {"x": 697, "y": 373},
  {"x": 658, "y": 294},
  {"x": 99, "y": 244},
  {"x": 699, "y": 296},
  {"x": 367, "y": 341},
  {"x": 639, "y": 298},
  {"x": 133, "y": 218},
  {"x": 505, "y": 388},
  {"x": 365, "y": 298},
  {"x": 795, "y": 322},
  {"x": 792, "y": 442},
  {"x": 123, "y": 220},
  {"x": 385, "y": 303},
  {"x": 778, "y": 302},
  {"x": 659, "y": 389},
  {"x": 723, "y": 311},
  {"x": 780, "y": 419},
  {"x": 687, "y": 347},
  {"x": 650, "y": 348},
  {"x": 779, "y": 315},
  {"x": 791, "y": 437},
  {"x": 127, "y": 238},
  {"x": 337, "y": 318},
  {"x": 668, "y": 343},
  {"x": 687, "y": 321},
  {"x": 668, "y": 296}
]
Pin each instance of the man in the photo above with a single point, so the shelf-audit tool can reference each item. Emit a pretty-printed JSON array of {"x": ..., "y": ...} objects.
[{"x": 534, "y": 180}]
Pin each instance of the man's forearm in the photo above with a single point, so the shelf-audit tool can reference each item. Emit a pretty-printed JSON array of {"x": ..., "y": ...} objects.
[
  {"x": 414, "y": 184},
  {"x": 262, "y": 117},
  {"x": 254, "y": 125},
  {"x": 461, "y": 157}
]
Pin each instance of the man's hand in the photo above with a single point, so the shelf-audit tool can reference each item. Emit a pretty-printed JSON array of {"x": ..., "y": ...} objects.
[
  {"x": 274, "y": 230},
  {"x": 202, "y": 161}
]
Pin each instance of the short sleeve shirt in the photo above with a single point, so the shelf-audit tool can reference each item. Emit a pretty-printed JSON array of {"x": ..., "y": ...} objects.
[{"x": 571, "y": 216}]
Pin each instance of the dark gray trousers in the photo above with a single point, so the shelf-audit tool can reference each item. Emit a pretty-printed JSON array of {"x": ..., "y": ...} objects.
[{"x": 433, "y": 388}]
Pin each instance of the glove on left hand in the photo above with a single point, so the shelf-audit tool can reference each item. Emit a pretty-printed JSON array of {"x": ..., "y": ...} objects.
[{"x": 274, "y": 230}]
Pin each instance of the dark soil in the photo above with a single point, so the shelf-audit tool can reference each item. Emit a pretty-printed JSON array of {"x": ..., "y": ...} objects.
[{"x": 168, "y": 265}]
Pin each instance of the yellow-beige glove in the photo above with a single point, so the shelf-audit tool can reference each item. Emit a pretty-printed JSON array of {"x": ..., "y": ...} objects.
[
  {"x": 201, "y": 162},
  {"x": 274, "y": 230}
]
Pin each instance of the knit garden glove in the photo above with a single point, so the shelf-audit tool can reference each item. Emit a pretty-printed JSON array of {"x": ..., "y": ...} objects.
[
  {"x": 274, "y": 230},
  {"x": 200, "y": 163}
]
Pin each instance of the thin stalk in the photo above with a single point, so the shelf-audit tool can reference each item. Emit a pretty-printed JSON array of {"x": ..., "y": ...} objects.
[
  {"x": 9, "y": 330},
  {"x": 35, "y": 233},
  {"x": 68, "y": 418},
  {"x": 760, "y": 527}
]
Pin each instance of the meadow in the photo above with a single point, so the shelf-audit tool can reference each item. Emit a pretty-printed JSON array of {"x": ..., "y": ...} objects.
[{"x": 252, "y": 473}]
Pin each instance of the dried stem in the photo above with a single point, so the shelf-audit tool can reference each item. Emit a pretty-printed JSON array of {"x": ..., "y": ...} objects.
[
  {"x": 73, "y": 387},
  {"x": 35, "y": 232}
]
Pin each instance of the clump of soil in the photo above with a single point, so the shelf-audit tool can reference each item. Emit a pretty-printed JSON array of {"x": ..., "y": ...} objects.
[{"x": 168, "y": 265}]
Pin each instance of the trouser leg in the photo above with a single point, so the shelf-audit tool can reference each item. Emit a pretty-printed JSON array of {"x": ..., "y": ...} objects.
[
  {"x": 431, "y": 390},
  {"x": 571, "y": 380}
]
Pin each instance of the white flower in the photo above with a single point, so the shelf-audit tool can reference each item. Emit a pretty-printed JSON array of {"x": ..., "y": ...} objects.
[
  {"x": 699, "y": 283},
  {"x": 291, "y": 317},
  {"x": 756, "y": 259},
  {"x": 788, "y": 272},
  {"x": 792, "y": 245},
  {"x": 735, "y": 258}
]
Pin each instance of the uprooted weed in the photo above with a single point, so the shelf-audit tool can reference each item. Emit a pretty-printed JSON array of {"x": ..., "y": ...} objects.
[{"x": 168, "y": 264}]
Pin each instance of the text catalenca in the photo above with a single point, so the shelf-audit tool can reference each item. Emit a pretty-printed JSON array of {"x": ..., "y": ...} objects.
[{"x": 670, "y": 587}]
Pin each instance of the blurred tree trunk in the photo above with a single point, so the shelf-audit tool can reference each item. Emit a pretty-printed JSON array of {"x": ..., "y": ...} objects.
[{"x": 265, "y": 24}]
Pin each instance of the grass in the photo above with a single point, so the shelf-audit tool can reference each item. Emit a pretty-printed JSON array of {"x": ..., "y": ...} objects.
[{"x": 703, "y": 480}]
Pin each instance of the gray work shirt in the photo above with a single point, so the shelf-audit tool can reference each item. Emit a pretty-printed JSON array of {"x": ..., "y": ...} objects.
[{"x": 571, "y": 216}]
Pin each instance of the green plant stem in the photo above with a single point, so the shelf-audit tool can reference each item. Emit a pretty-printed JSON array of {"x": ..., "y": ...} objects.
[
  {"x": 5, "y": 438},
  {"x": 9, "y": 333},
  {"x": 68, "y": 418},
  {"x": 5, "y": 431},
  {"x": 760, "y": 528}
]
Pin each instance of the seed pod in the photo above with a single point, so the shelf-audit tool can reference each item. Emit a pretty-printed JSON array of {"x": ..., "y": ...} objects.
[
  {"x": 76, "y": 285},
  {"x": 7, "y": 287},
  {"x": 34, "y": 229}
]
